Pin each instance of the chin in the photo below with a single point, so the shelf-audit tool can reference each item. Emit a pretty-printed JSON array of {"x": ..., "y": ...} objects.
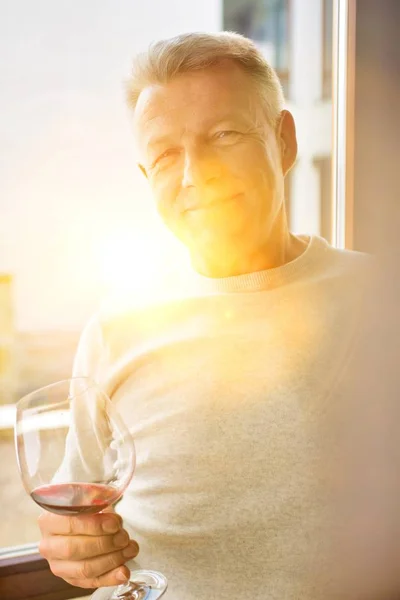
[
  {"x": 217, "y": 248},
  {"x": 218, "y": 238}
]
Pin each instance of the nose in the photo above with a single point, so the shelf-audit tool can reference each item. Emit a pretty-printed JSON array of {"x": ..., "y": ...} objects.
[{"x": 201, "y": 168}]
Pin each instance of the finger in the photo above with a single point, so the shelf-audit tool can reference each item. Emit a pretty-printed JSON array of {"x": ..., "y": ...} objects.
[
  {"x": 114, "y": 577},
  {"x": 98, "y": 524},
  {"x": 79, "y": 547},
  {"x": 89, "y": 570}
]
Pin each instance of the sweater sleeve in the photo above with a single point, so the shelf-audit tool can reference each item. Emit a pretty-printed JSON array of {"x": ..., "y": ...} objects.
[
  {"x": 91, "y": 352},
  {"x": 87, "y": 453}
]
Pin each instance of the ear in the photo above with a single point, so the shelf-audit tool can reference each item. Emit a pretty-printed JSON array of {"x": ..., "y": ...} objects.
[
  {"x": 286, "y": 136},
  {"x": 141, "y": 167}
]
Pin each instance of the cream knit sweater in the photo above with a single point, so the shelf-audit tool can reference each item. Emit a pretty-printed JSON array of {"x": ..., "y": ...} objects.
[{"x": 226, "y": 385}]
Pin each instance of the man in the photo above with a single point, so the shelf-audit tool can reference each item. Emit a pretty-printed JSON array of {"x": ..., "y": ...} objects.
[{"x": 226, "y": 384}]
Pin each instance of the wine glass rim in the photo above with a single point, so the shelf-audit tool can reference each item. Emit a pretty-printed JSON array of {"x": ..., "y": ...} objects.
[{"x": 91, "y": 383}]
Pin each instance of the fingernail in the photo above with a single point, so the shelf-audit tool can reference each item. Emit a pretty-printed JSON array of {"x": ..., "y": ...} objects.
[
  {"x": 121, "y": 576},
  {"x": 131, "y": 550},
  {"x": 121, "y": 539},
  {"x": 110, "y": 526}
]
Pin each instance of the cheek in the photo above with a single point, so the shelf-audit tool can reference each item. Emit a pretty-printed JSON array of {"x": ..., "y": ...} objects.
[
  {"x": 165, "y": 190},
  {"x": 253, "y": 165}
]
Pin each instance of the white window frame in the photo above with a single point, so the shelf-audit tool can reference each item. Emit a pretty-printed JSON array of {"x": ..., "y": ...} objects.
[{"x": 343, "y": 86}]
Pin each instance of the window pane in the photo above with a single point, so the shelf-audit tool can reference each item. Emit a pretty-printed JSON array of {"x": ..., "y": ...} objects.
[
  {"x": 75, "y": 217},
  {"x": 267, "y": 23}
]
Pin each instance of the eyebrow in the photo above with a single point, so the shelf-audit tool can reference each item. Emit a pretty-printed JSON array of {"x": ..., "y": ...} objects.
[
  {"x": 158, "y": 141},
  {"x": 161, "y": 140}
]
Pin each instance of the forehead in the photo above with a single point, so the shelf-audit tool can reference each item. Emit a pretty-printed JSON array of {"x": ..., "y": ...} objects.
[{"x": 195, "y": 100}]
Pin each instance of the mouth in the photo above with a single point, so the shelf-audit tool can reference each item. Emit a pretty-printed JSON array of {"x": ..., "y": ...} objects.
[{"x": 214, "y": 203}]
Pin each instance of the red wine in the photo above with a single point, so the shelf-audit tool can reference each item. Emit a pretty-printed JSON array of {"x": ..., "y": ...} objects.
[{"x": 75, "y": 498}]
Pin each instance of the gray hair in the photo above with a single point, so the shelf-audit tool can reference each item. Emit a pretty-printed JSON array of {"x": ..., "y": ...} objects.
[{"x": 166, "y": 59}]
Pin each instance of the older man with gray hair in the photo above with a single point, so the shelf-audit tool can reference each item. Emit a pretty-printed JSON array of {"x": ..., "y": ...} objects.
[{"x": 226, "y": 381}]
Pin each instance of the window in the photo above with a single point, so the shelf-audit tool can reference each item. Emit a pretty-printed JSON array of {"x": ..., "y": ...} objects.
[{"x": 267, "y": 23}]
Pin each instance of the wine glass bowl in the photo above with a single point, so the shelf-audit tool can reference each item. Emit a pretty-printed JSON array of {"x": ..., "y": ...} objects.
[{"x": 74, "y": 452}]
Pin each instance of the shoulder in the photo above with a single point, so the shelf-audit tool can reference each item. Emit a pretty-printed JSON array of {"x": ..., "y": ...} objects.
[
  {"x": 344, "y": 263},
  {"x": 125, "y": 315}
]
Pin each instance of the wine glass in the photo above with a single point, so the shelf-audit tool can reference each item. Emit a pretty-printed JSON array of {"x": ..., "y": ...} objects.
[{"x": 76, "y": 456}]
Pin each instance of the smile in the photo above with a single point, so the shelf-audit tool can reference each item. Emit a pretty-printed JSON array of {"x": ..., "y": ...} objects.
[{"x": 213, "y": 204}]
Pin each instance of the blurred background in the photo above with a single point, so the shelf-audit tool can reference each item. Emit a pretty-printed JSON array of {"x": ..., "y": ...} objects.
[{"x": 76, "y": 217}]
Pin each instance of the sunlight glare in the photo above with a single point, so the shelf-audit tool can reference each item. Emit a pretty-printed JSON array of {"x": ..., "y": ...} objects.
[{"x": 137, "y": 260}]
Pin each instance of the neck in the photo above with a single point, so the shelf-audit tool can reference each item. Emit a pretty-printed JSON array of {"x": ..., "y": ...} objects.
[{"x": 275, "y": 252}]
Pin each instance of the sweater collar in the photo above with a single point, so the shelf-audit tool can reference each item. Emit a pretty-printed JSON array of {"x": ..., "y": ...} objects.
[{"x": 269, "y": 278}]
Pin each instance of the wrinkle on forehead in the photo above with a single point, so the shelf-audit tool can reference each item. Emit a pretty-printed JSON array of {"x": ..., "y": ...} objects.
[{"x": 203, "y": 88}]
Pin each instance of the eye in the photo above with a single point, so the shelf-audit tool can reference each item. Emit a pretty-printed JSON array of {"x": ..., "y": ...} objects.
[
  {"x": 227, "y": 135},
  {"x": 170, "y": 153}
]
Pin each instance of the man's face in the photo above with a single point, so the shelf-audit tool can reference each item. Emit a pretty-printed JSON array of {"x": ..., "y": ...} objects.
[{"x": 213, "y": 160}]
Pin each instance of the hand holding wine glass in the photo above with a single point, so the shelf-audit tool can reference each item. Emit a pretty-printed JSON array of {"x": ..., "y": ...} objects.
[
  {"x": 88, "y": 551},
  {"x": 76, "y": 458}
]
